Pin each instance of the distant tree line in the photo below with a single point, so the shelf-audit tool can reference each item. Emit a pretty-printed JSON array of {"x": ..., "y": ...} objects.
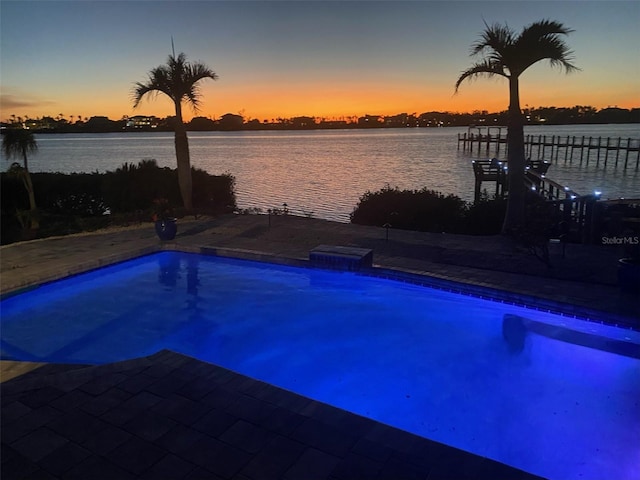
[{"x": 577, "y": 115}]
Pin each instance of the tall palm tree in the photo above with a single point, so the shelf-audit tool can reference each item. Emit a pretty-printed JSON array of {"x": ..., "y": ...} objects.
[
  {"x": 17, "y": 143},
  {"x": 508, "y": 55},
  {"x": 178, "y": 80}
]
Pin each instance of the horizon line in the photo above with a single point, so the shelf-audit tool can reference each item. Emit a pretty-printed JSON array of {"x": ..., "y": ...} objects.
[{"x": 334, "y": 118}]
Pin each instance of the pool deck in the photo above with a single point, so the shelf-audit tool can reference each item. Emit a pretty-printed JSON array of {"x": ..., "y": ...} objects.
[{"x": 171, "y": 416}]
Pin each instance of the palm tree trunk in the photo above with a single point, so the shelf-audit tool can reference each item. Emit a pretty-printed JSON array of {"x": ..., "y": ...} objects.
[
  {"x": 183, "y": 160},
  {"x": 28, "y": 185},
  {"x": 514, "y": 217}
]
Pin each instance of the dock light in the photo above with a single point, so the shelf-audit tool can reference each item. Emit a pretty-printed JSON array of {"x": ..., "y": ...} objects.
[
  {"x": 573, "y": 197},
  {"x": 533, "y": 188},
  {"x": 542, "y": 175},
  {"x": 597, "y": 193},
  {"x": 566, "y": 188}
]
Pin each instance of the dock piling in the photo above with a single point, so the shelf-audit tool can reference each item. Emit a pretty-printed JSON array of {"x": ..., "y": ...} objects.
[{"x": 556, "y": 142}]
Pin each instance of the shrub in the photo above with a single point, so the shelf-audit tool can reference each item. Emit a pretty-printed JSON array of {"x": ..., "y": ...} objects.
[
  {"x": 485, "y": 217},
  {"x": 74, "y": 194},
  {"x": 213, "y": 193},
  {"x": 133, "y": 187},
  {"x": 421, "y": 210},
  {"x": 430, "y": 211},
  {"x": 69, "y": 203}
]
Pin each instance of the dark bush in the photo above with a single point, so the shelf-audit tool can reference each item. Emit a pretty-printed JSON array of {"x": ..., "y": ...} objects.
[
  {"x": 429, "y": 211},
  {"x": 77, "y": 193},
  {"x": 53, "y": 224},
  {"x": 69, "y": 203},
  {"x": 485, "y": 217},
  {"x": 421, "y": 210},
  {"x": 134, "y": 187},
  {"x": 213, "y": 194},
  {"x": 13, "y": 195},
  {"x": 73, "y": 194}
]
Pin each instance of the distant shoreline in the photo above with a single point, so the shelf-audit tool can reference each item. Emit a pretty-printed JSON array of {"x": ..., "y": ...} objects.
[
  {"x": 315, "y": 128},
  {"x": 577, "y": 115}
]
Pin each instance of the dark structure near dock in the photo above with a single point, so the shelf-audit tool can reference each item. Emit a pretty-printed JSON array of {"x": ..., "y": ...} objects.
[
  {"x": 496, "y": 171},
  {"x": 582, "y": 218},
  {"x": 557, "y": 147}
]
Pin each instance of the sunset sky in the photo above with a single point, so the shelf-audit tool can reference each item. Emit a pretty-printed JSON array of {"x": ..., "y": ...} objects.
[{"x": 285, "y": 59}]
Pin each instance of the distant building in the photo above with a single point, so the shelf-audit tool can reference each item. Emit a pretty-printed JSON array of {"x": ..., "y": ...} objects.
[
  {"x": 371, "y": 121},
  {"x": 141, "y": 122},
  {"x": 402, "y": 120}
]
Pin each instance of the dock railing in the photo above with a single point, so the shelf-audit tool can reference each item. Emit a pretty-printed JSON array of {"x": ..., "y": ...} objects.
[
  {"x": 547, "y": 188},
  {"x": 582, "y": 218},
  {"x": 576, "y": 213},
  {"x": 489, "y": 171}
]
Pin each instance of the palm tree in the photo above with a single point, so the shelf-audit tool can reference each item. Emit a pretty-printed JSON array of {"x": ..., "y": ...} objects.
[
  {"x": 178, "y": 79},
  {"x": 17, "y": 143},
  {"x": 508, "y": 55}
]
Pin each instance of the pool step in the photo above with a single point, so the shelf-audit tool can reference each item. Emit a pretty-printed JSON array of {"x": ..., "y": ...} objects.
[
  {"x": 341, "y": 258},
  {"x": 515, "y": 329}
]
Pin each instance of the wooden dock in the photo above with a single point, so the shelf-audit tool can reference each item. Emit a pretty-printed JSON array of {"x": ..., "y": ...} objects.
[
  {"x": 616, "y": 152},
  {"x": 584, "y": 218},
  {"x": 495, "y": 171}
]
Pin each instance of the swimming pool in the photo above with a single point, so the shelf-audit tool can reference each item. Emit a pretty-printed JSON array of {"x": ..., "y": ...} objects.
[{"x": 428, "y": 361}]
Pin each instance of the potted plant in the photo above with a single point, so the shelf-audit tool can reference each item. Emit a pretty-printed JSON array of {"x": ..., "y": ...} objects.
[{"x": 165, "y": 224}]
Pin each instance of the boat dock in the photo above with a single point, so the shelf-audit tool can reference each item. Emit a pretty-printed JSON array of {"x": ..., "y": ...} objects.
[
  {"x": 583, "y": 218},
  {"x": 617, "y": 152},
  {"x": 496, "y": 171}
]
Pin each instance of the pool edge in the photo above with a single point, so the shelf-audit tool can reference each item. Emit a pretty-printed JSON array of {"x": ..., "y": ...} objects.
[
  {"x": 417, "y": 277},
  {"x": 440, "y": 282}
]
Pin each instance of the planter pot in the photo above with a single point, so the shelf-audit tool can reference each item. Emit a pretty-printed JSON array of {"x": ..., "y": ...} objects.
[
  {"x": 167, "y": 229},
  {"x": 629, "y": 275}
]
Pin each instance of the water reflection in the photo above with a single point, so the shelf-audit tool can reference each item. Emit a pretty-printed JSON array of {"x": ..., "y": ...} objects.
[
  {"x": 193, "y": 282},
  {"x": 168, "y": 270}
]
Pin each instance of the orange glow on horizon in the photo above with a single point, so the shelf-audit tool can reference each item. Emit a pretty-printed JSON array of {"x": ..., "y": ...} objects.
[
  {"x": 340, "y": 98},
  {"x": 331, "y": 101}
]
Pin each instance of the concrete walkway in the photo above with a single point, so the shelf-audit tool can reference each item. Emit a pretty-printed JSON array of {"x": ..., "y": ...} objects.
[{"x": 170, "y": 416}]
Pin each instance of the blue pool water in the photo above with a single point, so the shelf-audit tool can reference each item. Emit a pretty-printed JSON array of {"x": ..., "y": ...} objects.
[{"x": 427, "y": 361}]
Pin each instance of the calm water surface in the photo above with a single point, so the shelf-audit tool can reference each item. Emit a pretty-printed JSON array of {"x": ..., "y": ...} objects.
[{"x": 323, "y": 173}]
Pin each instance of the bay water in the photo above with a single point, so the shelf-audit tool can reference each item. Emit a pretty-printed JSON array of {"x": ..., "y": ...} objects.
[{"x": 323, "y": 173}]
